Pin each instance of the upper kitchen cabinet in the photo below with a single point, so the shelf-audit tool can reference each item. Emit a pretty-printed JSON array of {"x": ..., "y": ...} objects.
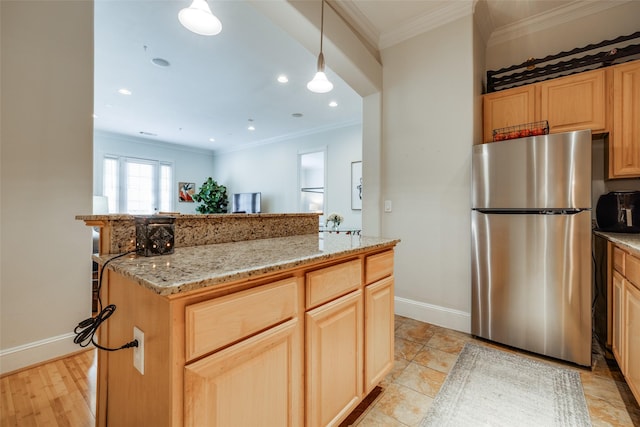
[
  {"x": 568, "y": 103},
  {"x": 508, "y": 107},
  {"x": 624, "y": 140},
  {"x": 574, "y": 102}
]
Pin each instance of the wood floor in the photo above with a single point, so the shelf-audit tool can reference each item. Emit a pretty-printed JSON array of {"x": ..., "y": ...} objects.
[{"x": 59, "y": 393}]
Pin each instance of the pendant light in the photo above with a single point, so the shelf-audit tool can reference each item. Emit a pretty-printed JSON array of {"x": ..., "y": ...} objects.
[
  {"x": 320, "y": 83},
  {"x": 199, "y": 19}
]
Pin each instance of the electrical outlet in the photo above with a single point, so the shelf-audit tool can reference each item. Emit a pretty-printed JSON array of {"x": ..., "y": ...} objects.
[{"x": 138, "y": 352}]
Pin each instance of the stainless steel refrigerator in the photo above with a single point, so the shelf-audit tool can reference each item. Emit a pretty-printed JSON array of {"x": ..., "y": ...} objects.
[{"x": 531, "y": 244}]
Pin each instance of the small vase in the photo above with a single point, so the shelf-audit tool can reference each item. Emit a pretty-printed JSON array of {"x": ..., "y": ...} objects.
[{"x": 335, "y": 226}]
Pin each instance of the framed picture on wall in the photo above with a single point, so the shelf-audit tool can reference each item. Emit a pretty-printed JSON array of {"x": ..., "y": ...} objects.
[
  {"x": 186, "y": 190},
  {"x": 356, "y": 185}
]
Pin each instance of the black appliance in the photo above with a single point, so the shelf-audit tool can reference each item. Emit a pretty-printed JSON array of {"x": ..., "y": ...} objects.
[
  {"x": 619, "y": 212},
  {"x": 154, "y": 235}
]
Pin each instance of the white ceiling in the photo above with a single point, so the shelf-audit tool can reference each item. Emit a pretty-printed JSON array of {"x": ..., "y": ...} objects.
[{"x": 216, "y": 86}]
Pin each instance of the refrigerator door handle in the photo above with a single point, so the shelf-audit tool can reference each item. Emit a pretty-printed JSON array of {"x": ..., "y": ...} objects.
[{"x": 531, "y": 211}]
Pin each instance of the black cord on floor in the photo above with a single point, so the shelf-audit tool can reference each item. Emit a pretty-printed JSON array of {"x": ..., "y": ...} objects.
[{"x": 86, "y": 330}]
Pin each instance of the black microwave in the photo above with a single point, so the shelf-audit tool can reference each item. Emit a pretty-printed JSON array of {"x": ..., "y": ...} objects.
[{"x": 619, "y": 212}]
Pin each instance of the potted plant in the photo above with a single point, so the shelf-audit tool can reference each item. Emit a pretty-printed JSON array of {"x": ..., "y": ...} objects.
[{"x": 213, "y": 197}]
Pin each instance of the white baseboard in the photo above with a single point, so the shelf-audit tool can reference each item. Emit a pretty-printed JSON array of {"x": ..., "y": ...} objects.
[
  {"x": 33, "y": 353},
  {"x": 434, "y": 314}
]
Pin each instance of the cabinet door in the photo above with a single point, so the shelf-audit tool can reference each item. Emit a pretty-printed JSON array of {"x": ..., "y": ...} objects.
[
  {"x": 574, "y": 102},
  {"x": 624, "y": 142},
  {"x": 257, "y": 382},
  {"x": 334, "y": 360},
  {"x": 508, "y": 107},
  {"x": 378, "y": 332},
  {"x": 631, "y": 345},
  {"x": 618, "y": 319}
]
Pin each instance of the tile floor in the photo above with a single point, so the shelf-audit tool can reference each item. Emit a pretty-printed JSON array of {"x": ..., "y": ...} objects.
[{"x": 424, "y": 354}]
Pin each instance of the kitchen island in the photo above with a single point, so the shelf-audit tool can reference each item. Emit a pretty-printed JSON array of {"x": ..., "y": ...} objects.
[
  {"x": 623, "y": 304},
  {"x": 282, "y": 331}
]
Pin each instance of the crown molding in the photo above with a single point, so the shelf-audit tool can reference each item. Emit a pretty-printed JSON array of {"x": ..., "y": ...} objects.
[
  {"x": 426, "y": 22},
  {"x": 555, "y": 17},
  {"x": 358, "y": 21},
  {"x": 482, "y": 19}
]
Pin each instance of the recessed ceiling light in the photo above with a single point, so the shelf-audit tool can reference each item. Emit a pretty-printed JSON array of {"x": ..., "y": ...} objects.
[
  {"x": 95, "y": 116},
  {"x": 160, "y": 62},
  {"x": 212, "y": 140},
  {"x": 297, "y": 115},
  {"x": 282, "y": 78},
  {"x": 124, "y": 91},
  {"x": 251, "y": 127},
  {"x": 333, "y": 104}
]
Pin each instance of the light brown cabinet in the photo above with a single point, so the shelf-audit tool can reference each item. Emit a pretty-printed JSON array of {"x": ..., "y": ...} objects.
[
  {"x": 263, "y": 371},
  {"x": 574, "y": 102},
  {"x": 618, "y": 321},
  {"x": 604, "y": 100},
  {"x": 632, "y": 338},
  {"x": 378, "y": 310},
  {"x": 624, "y": 140},
  {"x": 567, "y": 103},
  {"x": 334, "y": 360},
  {"x": 626, "y": 317},
  {"x": 255, "y": 382},
  {"x": 508, "y": 107},
  {"x": 378, "y": 318},
  {"x": 301, "y": 347},
  {"x": 349, "y": 335}
]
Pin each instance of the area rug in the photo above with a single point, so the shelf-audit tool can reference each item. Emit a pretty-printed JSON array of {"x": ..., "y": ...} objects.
[{"x": 488, "y": 387}]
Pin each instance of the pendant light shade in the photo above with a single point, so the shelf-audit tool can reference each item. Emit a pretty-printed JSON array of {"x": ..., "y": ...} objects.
[
  {"x": 199, "y": 19},
  {"x": 320, "y": 83}
]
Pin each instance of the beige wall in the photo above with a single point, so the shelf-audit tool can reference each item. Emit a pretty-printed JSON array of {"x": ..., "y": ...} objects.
[
  {"x": 253, "y": 170},
  {"x": 428, "y": 130},
  {"x": 46, "y": 177}
]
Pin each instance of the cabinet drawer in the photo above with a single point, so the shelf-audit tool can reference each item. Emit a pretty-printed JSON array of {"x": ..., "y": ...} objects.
[
  {"x": 331, "y": 282},
  {"x": 618, "y": 260},
  {"x": 378, "y": 266},
  {"x": 632, "y": 269},
  {"x": 213, "y": 324}
]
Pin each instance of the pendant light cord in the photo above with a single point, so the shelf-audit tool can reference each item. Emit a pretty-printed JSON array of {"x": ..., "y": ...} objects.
[{"x": 321, "y": 25}]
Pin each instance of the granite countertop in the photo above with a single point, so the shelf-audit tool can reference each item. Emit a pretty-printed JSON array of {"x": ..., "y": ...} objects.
[
  {"x": 178, "y": 215},
  {"x": 195, "y": 267},
  {"x": 628, "y": 241}
]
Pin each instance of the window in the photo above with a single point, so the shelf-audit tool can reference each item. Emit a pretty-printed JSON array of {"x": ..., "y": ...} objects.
[{"x": 137, "y": 186}]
